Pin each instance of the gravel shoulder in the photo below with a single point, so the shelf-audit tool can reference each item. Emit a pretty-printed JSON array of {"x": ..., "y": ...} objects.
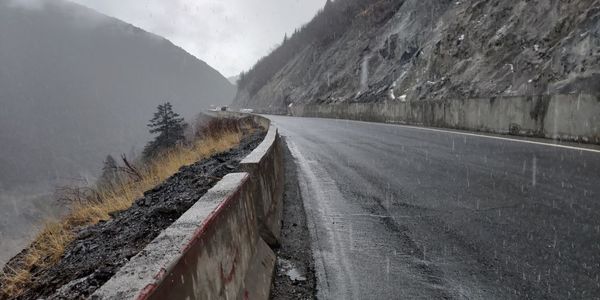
[{"x": 294, "y": 274}]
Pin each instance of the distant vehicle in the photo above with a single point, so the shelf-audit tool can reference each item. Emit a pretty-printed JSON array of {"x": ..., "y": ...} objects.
[
  {"x": 246, "y": 110},
  {"x": 219, "y": 108}
]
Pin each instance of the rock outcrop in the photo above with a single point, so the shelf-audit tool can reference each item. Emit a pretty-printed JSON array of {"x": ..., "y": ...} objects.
[{"x": 415, "y": 50}]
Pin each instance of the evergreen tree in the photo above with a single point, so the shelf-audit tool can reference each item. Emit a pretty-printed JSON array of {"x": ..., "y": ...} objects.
[
  {"x": 170, "y": 128},
  {"x": 109, "y": 172}
]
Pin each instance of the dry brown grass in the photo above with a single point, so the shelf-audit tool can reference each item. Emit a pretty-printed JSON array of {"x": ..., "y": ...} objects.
[{"x": 50, "y": 243}]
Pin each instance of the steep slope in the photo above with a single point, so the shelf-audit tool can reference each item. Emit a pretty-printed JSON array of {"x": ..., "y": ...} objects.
[
  {"x": 433, "y": 50},
  {"x": 75, "y": 86}
]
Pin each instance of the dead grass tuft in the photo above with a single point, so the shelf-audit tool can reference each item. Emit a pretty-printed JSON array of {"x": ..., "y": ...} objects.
[{"x": 50, "y": 244}]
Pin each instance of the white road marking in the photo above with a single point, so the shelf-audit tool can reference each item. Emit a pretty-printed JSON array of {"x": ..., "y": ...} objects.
[{"x": 482, "y": 136}]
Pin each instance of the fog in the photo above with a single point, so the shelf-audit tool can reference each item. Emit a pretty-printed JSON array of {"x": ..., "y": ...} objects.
[
  {"x": 22, "y": 210},
  {"x": 230, "y": 35},
  {"x": 75, "y": 86}
]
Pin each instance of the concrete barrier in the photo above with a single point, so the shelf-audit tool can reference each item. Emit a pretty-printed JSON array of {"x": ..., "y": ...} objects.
[
  {"x": 565, "y": 117},
  {"x": 216, "y": 249},
  {"x": 264, "y": 163}
]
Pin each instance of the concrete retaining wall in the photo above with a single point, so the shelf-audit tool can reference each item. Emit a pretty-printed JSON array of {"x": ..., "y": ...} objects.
[
  {"x": 566, "y": 117},
  {"x": 216, "y": 249}
]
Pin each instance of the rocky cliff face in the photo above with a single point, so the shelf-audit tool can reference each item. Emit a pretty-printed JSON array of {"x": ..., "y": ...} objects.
[{"x": 416, "y": 49}]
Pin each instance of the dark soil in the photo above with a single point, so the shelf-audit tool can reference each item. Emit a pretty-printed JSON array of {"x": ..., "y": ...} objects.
[
  {"x": 100, "y": 250},
  {"x": 294, "y": 257}
]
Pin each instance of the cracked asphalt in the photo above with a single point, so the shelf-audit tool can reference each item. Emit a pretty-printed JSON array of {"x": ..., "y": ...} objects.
[{"x": 400, "y": 212}]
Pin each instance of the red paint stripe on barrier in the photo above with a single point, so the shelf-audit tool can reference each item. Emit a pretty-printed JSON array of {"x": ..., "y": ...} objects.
[
  {"x": 208, "y": 223},
  {"x": 211, "y": 220},
  {"x": 160, "y": 274},
  {"x": 146, "y": 291}
]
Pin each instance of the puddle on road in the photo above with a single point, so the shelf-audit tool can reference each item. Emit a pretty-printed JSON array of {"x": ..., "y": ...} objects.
[{"x": 287, "y": 267}]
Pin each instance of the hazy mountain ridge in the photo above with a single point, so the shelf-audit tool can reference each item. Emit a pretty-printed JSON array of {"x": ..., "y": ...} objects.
[
  {"x": 87, "y": 82},
  {"x": 439, "y": 50},
  {"x": 76, "y": 85},
  {"x": 233, "y": 79}
]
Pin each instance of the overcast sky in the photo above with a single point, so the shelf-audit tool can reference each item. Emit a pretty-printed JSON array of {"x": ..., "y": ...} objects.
[{"x": 230, "y": 35}]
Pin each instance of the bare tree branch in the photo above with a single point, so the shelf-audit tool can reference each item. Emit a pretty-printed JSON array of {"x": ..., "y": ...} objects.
[{"x": 130, "y": 169}]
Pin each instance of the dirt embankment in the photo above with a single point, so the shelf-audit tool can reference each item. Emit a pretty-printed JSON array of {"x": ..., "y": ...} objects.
[{"x": 100, "y": 250}]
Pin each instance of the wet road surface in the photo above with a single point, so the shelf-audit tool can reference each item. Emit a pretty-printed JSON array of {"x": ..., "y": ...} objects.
[{"x": 398, "y": 212}]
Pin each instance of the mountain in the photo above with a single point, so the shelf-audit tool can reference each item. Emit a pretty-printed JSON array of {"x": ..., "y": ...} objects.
[
  {"x": 233, "y": 79},
  {"x": 75, "y": 86},
  {"x": 367, "y": 50}
]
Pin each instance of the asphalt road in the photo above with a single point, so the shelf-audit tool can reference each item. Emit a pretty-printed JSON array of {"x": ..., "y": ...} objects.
[{"x": 399, "y": 212}]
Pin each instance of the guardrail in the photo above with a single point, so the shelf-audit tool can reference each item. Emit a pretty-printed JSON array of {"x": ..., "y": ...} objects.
[
  {"x": 572, "y": 117},
  {"x": 219, "y": 248}
]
